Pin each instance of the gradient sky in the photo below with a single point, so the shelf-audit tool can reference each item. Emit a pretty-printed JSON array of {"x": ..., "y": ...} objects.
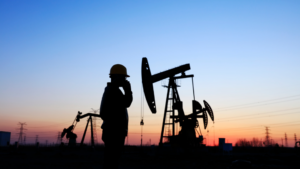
[{"x": 55, "y": 59}]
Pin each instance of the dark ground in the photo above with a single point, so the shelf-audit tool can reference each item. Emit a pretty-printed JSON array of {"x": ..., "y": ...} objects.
[{"x": 148, "y": 157}]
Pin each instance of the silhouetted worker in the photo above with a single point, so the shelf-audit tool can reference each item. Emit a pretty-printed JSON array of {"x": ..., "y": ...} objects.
[{"x": 113, "y": 111}]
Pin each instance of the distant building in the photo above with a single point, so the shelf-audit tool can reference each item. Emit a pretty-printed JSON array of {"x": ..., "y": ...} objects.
[
  {"x": 221, "y": 142},
  {"x": 4, "y": 138},
  {"x": 225, "y": 146}
]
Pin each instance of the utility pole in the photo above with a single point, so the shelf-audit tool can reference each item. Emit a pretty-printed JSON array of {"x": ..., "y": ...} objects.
[
  {"x": 24, "y": 139},
  {"x": 95, "y": 130},
  {"x": 95, "y": 127},
  {"x": 295, "y": 137},
  {"x": 36, "y": 138},
  {"x": 207, "y": 137},
  {"x": 267, "y": 136},
  {"x": 141, "y": 135},
  {"x": 20, "y": 140},
  {"x": 214, "y": 135},
  {"x": 285, "y": 137},
  {"x": 59, "y": 139}
]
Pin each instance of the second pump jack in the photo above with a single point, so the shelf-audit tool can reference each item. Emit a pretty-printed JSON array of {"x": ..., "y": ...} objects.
[{"x": 69, "y": 131}]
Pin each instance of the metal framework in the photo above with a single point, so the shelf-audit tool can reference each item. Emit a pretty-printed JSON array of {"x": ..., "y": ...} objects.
[
  {"x": 90, "y": 120},
  {"x": 21, "y": 140},
  {"x": 175, "y": 100},
  {"x": 188, "y": 123}
]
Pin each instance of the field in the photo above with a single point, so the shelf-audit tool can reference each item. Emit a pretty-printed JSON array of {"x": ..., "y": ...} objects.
[{"x": 31, "y": 157}]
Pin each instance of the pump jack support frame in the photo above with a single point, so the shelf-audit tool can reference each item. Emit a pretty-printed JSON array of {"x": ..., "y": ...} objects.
[
  {"x": 175, "y": 99},
  {"x": 87, "y": 124}
]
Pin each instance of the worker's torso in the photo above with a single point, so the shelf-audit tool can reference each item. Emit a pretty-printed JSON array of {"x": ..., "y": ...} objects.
[{"x": 113, "y": 110}]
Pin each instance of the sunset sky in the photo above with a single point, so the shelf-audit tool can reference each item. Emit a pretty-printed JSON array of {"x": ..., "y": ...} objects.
[{"x": 56, "y": 55}]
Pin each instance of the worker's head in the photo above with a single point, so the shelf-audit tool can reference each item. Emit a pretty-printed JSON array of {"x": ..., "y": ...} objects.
[{"x": 118, "y": 74}]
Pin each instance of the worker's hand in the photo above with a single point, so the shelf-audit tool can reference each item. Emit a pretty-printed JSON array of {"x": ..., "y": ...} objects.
[{"x": 126, "y": 86}]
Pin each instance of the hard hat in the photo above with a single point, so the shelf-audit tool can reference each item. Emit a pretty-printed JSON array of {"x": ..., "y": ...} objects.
[{"x": 118, "y": 69}]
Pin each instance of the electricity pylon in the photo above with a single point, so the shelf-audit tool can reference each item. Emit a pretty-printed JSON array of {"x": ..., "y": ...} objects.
[
  {"x": 20, "y": 140},
  {"x": 95, "y": 126}
]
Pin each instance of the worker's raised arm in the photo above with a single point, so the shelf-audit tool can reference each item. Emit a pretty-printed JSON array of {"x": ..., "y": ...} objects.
[{"x": 128, "y": 93}]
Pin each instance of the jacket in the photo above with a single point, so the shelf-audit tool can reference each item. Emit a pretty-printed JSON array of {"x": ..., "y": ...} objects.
[{"x": 113, "y": 109}]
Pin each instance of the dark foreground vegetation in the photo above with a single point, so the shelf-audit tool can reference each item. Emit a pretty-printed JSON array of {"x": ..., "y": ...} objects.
[{"x": 134, "y": 157}]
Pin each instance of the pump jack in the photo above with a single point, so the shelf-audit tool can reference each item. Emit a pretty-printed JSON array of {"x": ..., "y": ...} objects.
[
  {"x": 70, "y": 133},
  {"x": 296, "y": 143},
  {"x": 188, "y": 123}
]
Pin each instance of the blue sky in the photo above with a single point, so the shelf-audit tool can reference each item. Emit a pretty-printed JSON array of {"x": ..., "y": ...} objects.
[{"x": 55, "y": 56}]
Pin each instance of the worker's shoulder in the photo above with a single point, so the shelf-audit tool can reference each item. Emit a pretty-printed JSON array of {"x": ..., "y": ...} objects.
[{"x": 112, "y": 89}]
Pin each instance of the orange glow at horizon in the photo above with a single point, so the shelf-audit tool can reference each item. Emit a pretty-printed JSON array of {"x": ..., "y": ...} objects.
[
  {"x": 224, "y": 127},
  {"x": 134, "y": 135}
]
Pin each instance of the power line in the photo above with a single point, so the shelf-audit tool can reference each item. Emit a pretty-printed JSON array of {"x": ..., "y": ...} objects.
[
  {"x": 273, "y": 124},
  {"x": 243, "y": 130},
  {"x": 258, "y": 127},
  {"x": 247, "y": 104},
  {"x": 257, "y": 114},
  {"x": 289, "y": 125},
  {"x": 258, "y": 102},
  {"x": 63, "y": 123},
  {"x": 52, "y": 125},
  {"x": 257, "y": 105},
  {"x": 260, "y": 117}
]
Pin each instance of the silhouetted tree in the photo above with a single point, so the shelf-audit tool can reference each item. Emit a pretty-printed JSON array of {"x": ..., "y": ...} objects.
[
  {"x": 255, "y": 142},
  {"x": 243, "y": 143}
]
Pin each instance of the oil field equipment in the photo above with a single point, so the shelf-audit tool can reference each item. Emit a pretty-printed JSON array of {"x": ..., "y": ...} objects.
[
  {"x": 297, "y": 143},
  {"x": 188, "y": 123},
  {"x": 69, "y": 131}
]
